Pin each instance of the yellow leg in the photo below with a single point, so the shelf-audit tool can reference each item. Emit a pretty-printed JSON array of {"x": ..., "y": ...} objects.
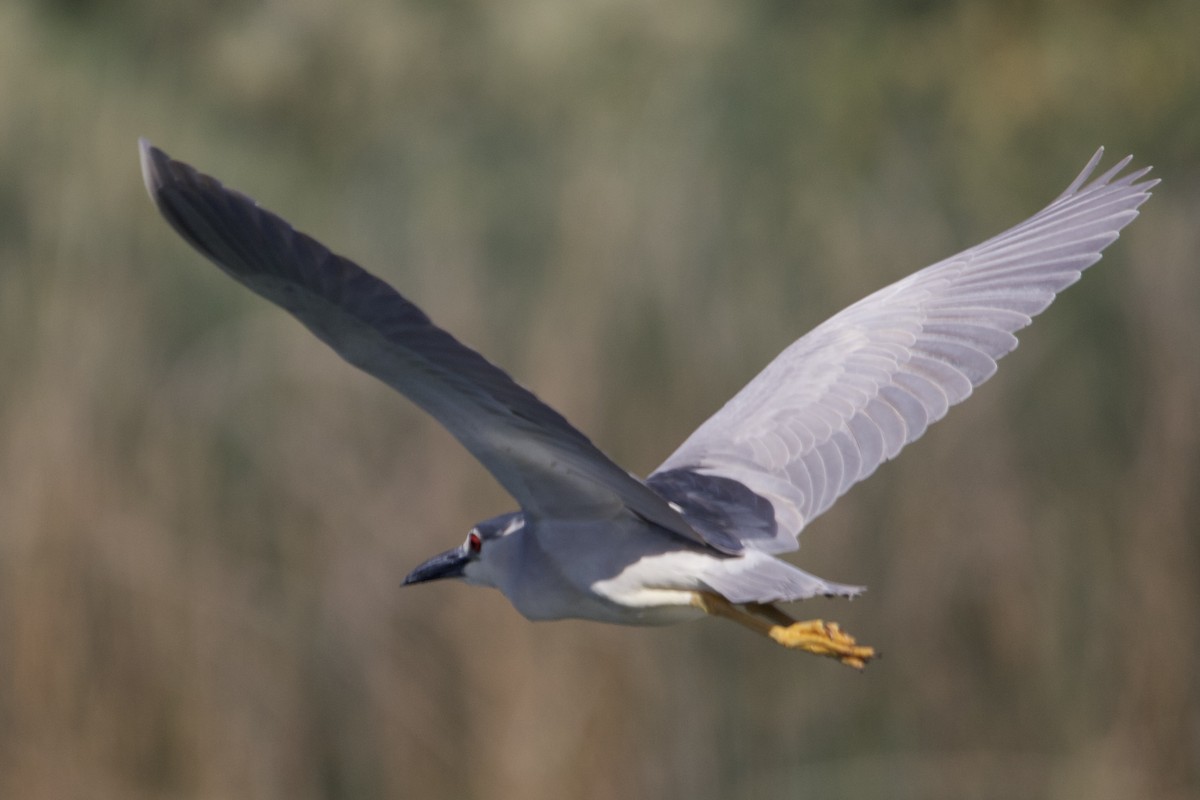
[
  {"x": 771, "y": 612},
  {"x": 813, "y": 636}
]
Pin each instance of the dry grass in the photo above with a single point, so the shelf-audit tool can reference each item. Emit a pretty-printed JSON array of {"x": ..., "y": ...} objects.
[{"x": 204, "y": 516}]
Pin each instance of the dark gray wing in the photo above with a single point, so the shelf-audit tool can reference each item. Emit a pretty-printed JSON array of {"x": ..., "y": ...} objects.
[
  {"x": 850, "y": 394},
  {"x": 546, "y": 464}
]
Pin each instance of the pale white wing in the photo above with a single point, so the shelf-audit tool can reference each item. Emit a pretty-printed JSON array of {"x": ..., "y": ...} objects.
[
  {"x": 551, "y": 468},
  {"x": 850, "y": 394}
]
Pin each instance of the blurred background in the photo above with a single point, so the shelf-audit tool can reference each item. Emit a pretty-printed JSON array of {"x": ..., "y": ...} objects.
[{"x": 205, "y": 516}]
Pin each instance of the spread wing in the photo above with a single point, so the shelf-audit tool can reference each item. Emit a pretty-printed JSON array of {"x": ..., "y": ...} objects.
[
  {"x": 551, "y": 468},
  {"x": 850, "y": 394}
]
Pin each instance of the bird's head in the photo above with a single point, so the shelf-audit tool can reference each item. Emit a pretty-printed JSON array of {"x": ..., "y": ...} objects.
[{"x": 475, "y": 560}]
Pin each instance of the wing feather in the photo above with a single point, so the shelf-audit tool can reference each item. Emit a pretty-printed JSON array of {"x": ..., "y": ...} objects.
[
  {"x": 551, "y": 468},
  {"x": 856, "y": 389}
]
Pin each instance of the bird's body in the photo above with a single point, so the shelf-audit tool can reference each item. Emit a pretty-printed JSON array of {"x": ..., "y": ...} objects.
[
  {"x": 698, "y": 536},
  {"x": 610, "y": 559},
  {"x": 625, "y": 571}
]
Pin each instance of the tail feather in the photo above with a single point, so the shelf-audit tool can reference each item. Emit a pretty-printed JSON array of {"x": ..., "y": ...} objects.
[{"x": 757, "y": 577}]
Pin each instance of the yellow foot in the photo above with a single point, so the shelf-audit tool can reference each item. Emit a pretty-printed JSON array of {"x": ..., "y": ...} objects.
[{"x": 819, "y": 638}]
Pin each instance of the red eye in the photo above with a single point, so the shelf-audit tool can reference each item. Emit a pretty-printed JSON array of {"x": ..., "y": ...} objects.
[{"x": 474, "y": 543}]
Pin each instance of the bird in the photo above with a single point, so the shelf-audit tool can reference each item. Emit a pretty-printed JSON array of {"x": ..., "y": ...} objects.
[{"x": 701, "y": 535}]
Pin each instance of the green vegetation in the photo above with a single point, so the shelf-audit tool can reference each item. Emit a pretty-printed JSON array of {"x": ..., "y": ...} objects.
[{"x": 205, "y": 516}]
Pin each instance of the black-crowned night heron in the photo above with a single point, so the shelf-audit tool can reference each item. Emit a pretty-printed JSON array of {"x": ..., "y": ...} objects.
[{"x": 700, "y": 535}]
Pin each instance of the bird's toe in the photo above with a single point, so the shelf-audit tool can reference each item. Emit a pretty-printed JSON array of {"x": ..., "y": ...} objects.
[{"x": 824, "y": 639}]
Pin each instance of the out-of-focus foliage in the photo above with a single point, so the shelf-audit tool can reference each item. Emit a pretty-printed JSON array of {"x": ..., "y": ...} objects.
[{"x": 204, "y": 516}]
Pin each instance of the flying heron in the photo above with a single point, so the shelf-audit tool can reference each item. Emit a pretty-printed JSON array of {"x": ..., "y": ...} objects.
[{"x": 700, "y": 535}]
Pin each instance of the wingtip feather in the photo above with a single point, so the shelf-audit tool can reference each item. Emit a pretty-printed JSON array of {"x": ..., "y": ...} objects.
[
  {"x": 1083, "y": 175},
  {"x": 1112, "y": 172},
  {"x": 153, "y": 162},
  {"x": 1085, "y": 182}
]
